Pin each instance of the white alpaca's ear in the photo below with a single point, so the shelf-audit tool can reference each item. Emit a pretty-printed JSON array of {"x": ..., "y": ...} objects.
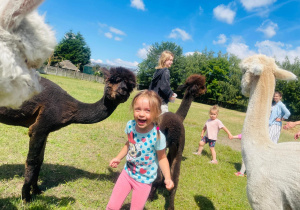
[
  {"x": 12, "y": 12},
  {"x": 284, "y": 74},
  {"x": 252, "y": 64}
]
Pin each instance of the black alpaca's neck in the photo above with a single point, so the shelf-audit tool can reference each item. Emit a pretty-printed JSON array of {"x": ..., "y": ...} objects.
[
  {"x": 185, "y": 105},
  {"x": 96, "y": 112}
]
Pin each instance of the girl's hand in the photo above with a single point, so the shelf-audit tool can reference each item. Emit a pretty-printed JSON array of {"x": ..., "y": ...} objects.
[
  {"x": 169, "y": 184},
  {"x": 278, "y": 119},
  {"x": 297, "y": 135},
  {"x": 230, "y": 136},
  {"x": 114, "y": 162}
]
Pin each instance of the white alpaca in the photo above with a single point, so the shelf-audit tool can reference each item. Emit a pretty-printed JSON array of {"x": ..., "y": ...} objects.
[
  {"x": 273, "y": 170},
  {"x": 25, "y": 43}
]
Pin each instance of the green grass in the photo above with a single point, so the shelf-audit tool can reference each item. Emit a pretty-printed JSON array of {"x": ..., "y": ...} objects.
[{"x": 75, "y": 173}]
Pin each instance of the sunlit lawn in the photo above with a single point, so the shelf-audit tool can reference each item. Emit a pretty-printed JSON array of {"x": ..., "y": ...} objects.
[{"x": 75, "y": 173}]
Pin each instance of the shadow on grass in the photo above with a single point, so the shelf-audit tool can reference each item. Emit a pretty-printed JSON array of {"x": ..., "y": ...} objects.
[
  {"x": 53, "y": 175},
  {"x": 204, "y": 202},
  {"x": 161, "y": 190},
  {"x": 43, "y": 202},
  {"x": 237, "y": 166}
]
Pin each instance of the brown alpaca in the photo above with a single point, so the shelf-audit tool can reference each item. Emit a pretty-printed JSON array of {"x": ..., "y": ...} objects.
[
  {"x": 54, "y": 109},
  {"x": 171, "y": 125}
]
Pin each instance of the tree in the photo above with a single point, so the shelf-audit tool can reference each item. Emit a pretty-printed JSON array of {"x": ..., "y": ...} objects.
[
  {"x": 291, "y": 90},
  {"x": 147, "y": 66},
  {"x": 73, "y": 48}
]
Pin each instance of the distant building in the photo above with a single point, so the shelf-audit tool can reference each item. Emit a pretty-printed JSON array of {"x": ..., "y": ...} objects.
[{"x": 66, "y": 64}]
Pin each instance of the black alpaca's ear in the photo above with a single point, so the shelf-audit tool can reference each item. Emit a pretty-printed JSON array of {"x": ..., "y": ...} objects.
[
  {"x": 106, "y": 72},
  {"x": 181, "y": 87}
]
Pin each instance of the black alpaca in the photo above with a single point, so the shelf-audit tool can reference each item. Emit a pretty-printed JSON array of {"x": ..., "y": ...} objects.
[
  {"x": 54, "y": 109},
  {"x": 171, "y": 124}
]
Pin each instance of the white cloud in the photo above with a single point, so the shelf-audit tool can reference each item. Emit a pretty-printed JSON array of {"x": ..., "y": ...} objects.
[
  {"x": 138, "y": 4},
  {"x": 116, "y": 31},
  {"x": 108, "y": 35},
  {"x": 252, "y": 4},
  {"x": 200, "y": 10},
  {"x": 96, "y": 61},
  {"x": 268, "y": 28},
  {"x": 191, "y": 53},
  {"x": 221, "y": 39},
  {"x": 110, "y": 32},
  {"x": 238, "y": 48},
  {"x": 224, "y": 13},
  {"x": 143, "y": 52},
  {"x": 102, "y": 25},
  {"x": 278, "y": 50},
  {"x": 118, "y": 38},
  {"x": 178, "y": 33},
  {"x": 120, "y": 62}
]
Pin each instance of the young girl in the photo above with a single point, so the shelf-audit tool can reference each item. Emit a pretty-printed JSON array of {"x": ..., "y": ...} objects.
[
  {"x": 144, "y": 151},
  {"x": 161, "y": 80},
  {"x": 212, "y": 126},
  {"x": 279, "y": 112}
]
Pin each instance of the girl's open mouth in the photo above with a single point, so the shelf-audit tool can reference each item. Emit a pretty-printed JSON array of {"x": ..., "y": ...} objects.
[{"x": 141, "y": 121}]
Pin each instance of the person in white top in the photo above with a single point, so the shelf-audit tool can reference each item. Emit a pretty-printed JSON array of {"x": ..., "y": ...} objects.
[{"x": 212, "y": 127}]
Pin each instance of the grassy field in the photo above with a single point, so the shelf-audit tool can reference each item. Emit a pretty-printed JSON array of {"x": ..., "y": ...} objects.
[{"x": 75, "y": 173}]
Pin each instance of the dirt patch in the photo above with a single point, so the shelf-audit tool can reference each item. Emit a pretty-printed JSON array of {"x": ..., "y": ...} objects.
[{"x": 235, "y": 144}]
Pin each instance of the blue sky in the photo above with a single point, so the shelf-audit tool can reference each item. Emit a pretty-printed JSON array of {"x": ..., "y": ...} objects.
[{"x": 119, "y": 32}]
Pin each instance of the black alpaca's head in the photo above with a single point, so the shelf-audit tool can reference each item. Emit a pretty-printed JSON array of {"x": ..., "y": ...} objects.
[
  {"x": 194, "y": 85},
  {"x": 119, "y": 82}
]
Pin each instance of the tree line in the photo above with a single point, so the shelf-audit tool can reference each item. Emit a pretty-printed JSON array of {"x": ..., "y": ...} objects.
[{"x": 223, "y": 76}]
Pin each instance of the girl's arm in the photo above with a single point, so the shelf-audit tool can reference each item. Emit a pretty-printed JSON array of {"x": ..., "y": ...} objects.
[
  {"x": 115, "y": 161},
  {"x": 291, "y": 125},
  {"x": 228, "y": 132},
  {"x": 165, "y": 168},
  {"x": 203, "y": 131}
]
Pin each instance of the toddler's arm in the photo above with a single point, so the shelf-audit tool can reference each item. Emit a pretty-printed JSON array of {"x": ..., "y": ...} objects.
[
  {"x": 164, "y": 166},
  {"x": 228, "y": 132},
  {"x": 115, "y": 161},
  {"x": 203, "y": 131},
  {"x": 297, "y": 135},
  {"x": 289, "y": 125}
]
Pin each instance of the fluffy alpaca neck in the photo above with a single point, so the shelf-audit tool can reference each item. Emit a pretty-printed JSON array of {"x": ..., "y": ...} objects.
[
  {"x": 96, "y": 112},
  {"x": 185, "y": 106},
  {"x": 256, "y": 125}
]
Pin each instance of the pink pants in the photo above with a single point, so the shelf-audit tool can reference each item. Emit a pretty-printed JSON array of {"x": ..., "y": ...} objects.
[{"x": 123, "y": 186}]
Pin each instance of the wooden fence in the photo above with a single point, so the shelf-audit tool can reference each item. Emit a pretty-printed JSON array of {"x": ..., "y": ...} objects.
[{"x": 70, "y": 73}]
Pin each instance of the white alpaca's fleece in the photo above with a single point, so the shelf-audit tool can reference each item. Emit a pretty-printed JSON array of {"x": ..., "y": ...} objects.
[{"x": 25, "y": 43}]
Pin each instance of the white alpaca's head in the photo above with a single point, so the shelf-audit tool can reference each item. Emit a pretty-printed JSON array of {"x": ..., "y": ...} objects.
[
  {"x": 255, "y": 65},
  {"x": 25, "y": 43}
]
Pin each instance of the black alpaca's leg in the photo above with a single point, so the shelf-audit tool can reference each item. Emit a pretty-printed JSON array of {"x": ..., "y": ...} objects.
[
  {"x": 35, "y": 189},
  {"x": 33, "y": 163},
  {"x": 175, "y": 157},
  {"x": 156, "y": 184}
]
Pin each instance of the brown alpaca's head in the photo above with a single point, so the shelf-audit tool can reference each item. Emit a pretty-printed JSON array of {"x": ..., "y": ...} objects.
[
  {"x": 119, "y": 83},
  {"x": 194, "y": 85}
]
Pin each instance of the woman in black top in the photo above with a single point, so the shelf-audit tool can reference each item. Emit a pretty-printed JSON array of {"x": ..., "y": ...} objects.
[{"x": 161, "y": 79}]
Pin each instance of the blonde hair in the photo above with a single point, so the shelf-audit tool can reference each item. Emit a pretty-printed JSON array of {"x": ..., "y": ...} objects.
[
  {"x": 164, "y": 56},
  {"x": 155, "y": 105},
  {"x": 214, "y": 108}
]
